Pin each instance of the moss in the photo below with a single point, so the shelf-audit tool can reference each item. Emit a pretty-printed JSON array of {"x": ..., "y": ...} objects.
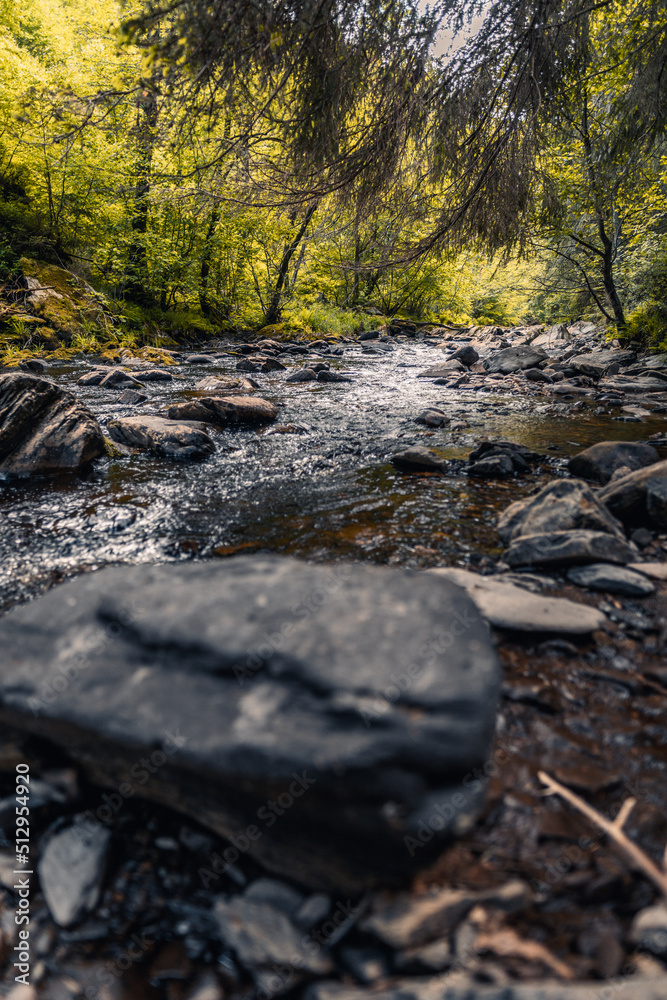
[{"x": 68, "y": 304}]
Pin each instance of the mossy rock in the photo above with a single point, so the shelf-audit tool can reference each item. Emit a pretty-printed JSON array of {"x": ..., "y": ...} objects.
[{"x": 59, "y": 297}]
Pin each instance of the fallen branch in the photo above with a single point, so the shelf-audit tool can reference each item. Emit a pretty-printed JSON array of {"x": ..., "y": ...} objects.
[{"x": 613, "y": 828}]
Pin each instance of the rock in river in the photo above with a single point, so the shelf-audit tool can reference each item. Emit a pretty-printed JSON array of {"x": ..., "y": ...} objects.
[
  {"x": 226, "y": 411},
  {"x": 563, "y": 505},
  {"x": 600, "y": 461},
  {"x": 514, "y": 359},
  {"x": 568, "y": 548},
  {"x": 43, "y": 428},
  {"x": 418, "y": 459},
  {"x": 322, "y": 718},
  {"x": 168, "y": 438}
]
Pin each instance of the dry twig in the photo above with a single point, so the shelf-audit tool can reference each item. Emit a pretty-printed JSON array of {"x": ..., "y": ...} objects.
[{"x": 613, "y": 828}]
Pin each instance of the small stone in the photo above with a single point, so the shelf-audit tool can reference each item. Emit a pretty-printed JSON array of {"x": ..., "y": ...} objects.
[
  {"x": 492, "y": 467},
  {"x": 278, "y": 894},
  {"x": 153, "y": 375},
  {"x": 535, "y": 375},
  {"x": 116, "y": 378},
  {"x": 264, "y": 937},
  {"x": 432, "y": 418},
  {"x": 33, "y": 365},
  {"x": 303, "y": 375},
  {"x": 641, "y": 537},
  {"x": 71, "y": 869},
  {"x": 199, "y": 359},
  {"x": 649, "y": 929},
  {"x": 366, "y": 964},
  {"x": 314, "y": 910},
  {"x": 614, "y": 579},
  {"x": 417, "y": 459},
  {"x": 131, "y": 397},
  {"x": 329, "y": 376}
]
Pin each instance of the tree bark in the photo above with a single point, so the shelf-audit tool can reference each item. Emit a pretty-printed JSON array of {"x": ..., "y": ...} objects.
[
  {"x": 136, "y": 285},
  {"x": 205, "y": 268},
  {"x": 272, "y": 314}
]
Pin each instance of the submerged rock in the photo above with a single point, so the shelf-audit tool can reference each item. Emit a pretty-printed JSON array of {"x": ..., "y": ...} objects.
[
  {"x": 563, "y": 505},
  {"x": 600, "y": 461},
  {"x": 167, "y": 438},
  {"x": 323, "y": 718},
  {"x": 418, "y": 459},
  {"x": 43, "y": 428},
  {"x": 226, "y": 411}
]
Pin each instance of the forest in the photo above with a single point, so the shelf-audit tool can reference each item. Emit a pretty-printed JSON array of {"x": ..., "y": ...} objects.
[{"x": 294, "y": 166}]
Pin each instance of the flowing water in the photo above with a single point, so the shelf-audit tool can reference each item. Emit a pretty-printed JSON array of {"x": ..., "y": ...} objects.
[{"x": 324, "y": 489}]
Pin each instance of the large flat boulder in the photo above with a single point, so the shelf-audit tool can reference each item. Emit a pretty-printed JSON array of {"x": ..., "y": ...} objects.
[
  {"x": 43, "y": 428},
  {"x": 226, "y": 411},
  {"x": 599, "y": 462},
  {"x": 167, "y": 438},
  {"x": 322, "y": 718},
  {"x": 514, "y": 359},
  {"x": 505, "y": 605},
  {"x": 563, "y": 505}
]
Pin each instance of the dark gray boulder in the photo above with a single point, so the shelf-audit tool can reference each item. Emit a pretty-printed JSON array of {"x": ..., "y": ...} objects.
[
  {"x": 167, "y": 438},
  {"x": 613, "y": 579},
  {"x": 226, "y": 411},
  {"x": 568, "y": 548},
  {"x": 599, "y": 462},
  {"x": 514, "y": 359},
  {"x": 43, "y": 428},
  {"x": 302, "y": 375},
  {"x": 563, "y": 505},
  {"x": 467, "y": 355},
  {"x": 492, "y": 467},
  {"x": 322, "y": 718},
  {"x": 418, "y": 459}
]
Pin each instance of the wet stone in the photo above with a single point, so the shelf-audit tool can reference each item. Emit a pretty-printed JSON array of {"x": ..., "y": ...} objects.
[
  {"x": 132, "y": 397},
  {"x": 226, "y": 411},
  {"x": 614, "y": 579},
  {"x": 167, "y": 438},
  {"x": 492, "y": 467},
  {"x": 44, "y": 429},
  {"x": 418, "y": 459},
  {"x": 467, "y": 355},
  {"x": 626, "y": 497},
  {"x": 535, "y": 375},
  {"x": 303, "y": 375},
  {"x": 432, "y": 418}
]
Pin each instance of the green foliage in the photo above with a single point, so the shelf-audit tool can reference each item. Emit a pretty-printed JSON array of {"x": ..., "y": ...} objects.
[{"x": 648, "y": 324}]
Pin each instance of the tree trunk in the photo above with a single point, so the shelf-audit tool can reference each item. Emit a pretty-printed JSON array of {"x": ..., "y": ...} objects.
[
  {"x": 136, "y": 286},
  {"x": 205, "y": 268},
  {"x": 272, "y": 314}
]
